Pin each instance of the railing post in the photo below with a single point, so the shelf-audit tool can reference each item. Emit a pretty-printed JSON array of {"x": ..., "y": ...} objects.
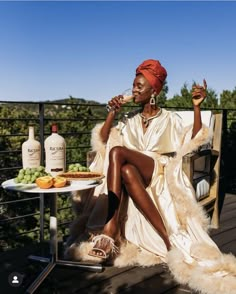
[
  {"x": 225, "y": 116},
  {"x": 224, "y": 161},
  {"x": 41, "y": 196},
  {"x": 224, "y": 131},
  {"x": 41, "y": 130}
]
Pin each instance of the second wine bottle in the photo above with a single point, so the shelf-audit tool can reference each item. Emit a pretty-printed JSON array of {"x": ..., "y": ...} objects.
[{"x": 55, "y": 152}]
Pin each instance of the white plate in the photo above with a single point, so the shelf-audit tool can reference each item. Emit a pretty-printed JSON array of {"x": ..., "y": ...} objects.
[
  {"x": 33, "y": 188},
  {"x": 11, "y": 183}
]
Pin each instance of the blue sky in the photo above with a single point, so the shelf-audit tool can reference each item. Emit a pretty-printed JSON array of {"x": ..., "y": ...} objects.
[{"x": 86, "y": 49}]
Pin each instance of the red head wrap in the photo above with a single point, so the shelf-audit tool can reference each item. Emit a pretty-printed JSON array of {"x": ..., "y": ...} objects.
[{"x": 154, "y": 72}]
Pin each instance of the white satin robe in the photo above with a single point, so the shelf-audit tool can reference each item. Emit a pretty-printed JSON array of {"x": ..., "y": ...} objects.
[{"x": 162, "y": 136}]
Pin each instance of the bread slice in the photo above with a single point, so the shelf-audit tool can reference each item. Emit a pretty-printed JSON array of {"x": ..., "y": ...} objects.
[{"x": 81, "y": 175}]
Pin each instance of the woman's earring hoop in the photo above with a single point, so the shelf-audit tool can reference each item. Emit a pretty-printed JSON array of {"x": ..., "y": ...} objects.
[{"x": 152, "y": 101}]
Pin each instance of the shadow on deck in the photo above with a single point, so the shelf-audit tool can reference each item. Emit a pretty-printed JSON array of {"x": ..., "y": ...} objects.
[{"x": 155, "y": 279}]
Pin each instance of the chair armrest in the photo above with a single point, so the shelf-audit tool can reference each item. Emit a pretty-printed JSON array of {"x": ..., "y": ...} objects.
[{"x": 188, "y": 161}]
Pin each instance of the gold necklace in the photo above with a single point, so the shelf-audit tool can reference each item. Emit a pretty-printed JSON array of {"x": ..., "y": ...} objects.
[{"x": 146, "y": 120}]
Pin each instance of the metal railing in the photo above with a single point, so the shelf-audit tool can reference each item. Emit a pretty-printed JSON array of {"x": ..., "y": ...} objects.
[{"x": 75, "y": 121}]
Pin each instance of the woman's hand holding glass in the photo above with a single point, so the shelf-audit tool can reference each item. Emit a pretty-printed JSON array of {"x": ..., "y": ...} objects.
[{"x": 115, "y": 103}]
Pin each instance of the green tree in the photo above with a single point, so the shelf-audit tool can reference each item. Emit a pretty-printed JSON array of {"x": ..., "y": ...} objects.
[
  {"x": 211, "y": 100},
  {"x": 162, "y": 97},
  {"x": 228, "y": 99},
  {"x": 183, "y": 101}
]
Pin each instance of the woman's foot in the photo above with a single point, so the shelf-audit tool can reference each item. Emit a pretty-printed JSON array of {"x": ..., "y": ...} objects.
[{"x": 104, "y": 247}]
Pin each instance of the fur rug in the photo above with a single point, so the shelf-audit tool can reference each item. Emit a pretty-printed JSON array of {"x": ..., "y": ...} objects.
[{"x": 129, "y": 254}]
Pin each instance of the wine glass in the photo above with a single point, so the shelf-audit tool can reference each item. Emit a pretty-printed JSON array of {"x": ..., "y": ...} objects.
[{"x": 127, "y": 96}]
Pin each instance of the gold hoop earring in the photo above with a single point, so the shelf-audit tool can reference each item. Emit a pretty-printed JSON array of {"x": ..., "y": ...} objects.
[{"x": 152, "y": 100}]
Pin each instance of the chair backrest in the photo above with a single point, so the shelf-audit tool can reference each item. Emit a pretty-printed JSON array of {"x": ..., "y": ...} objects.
[
  {"x": 202, "y": 164},
  {"x": 188, "y": 116},
  {"x": 216, "y": 160}
]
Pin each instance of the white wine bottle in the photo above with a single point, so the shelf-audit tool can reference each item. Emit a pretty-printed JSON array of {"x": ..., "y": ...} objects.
[
  {"x": 31, "y": 151},
  {"x": 55, "y": 152}
]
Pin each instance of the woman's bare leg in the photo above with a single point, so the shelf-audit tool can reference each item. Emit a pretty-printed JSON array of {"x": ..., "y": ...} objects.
[
  {"x": 141, "y": 198},
  {"x": 136, "y": 170}
]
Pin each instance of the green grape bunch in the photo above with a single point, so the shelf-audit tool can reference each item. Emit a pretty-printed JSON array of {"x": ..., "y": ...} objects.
[
  {"x": 75, "y": 167},
  {"x": 29, "y": 175}
]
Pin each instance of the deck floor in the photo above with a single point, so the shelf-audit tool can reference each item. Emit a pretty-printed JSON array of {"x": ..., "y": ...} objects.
[{"x": 155, "y": 279}]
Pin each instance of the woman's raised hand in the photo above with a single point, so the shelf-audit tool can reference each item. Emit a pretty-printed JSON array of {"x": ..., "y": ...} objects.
[{"x": 199, "y": 93}]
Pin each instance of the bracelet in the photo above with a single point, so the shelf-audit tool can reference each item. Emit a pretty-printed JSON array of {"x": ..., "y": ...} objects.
[{"x": 110, "y": 108}]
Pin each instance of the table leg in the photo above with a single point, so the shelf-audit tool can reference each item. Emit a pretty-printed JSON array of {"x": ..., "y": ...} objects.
[
  {"x": 41, "y": 211},
  {"x": 53, "y": 226},
  {"x": 41, "y": 232},
  {"x": 41, "y": 278},
  {"x": 53, "y": 246}
]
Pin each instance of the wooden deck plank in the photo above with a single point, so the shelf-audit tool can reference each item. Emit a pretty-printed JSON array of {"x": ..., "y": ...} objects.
[
  {"x": 162, "y": 283},
  {"x": 114, "y": 280},
  {"x": 122, "y": 281},
  {"x": 226, "y": 237},
  {"x": 83, "y": 280},
  {"x": 181, "y": 290}
]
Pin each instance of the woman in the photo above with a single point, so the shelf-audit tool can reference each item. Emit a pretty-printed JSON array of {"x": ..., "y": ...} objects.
[
  {"x": 142, "y": 159},
  {"x": 132, "y": 166}
]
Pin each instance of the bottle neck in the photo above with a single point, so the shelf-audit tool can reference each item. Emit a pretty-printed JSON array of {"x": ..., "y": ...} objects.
[
  {"x": 31, "y": 133},
  {"x": 54, "y": 129}
]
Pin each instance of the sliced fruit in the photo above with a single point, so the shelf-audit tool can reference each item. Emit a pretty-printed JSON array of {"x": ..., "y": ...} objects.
[
  {"x": 45, "y": 182},
  {"x": 59, "y": 182}
]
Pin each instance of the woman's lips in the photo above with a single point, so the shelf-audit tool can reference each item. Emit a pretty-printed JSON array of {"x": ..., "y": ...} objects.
[{"x": 136, "y": 96}]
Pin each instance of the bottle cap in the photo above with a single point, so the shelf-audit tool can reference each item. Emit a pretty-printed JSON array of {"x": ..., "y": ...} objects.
[
  {"x": 31, "y": 126},
  {"x": 54, "y": 128}
]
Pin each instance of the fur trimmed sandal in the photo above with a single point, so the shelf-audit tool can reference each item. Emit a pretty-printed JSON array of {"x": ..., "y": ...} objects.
[{"x": 104, "y": 247}]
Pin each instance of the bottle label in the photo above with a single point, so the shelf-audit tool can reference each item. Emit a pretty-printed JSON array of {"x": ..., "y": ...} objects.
[
  {"x": 56, "y": 169},
  {"x": 33, "y": 153},
  {"x": 56, "y": 150},
  {"x": 55, "y": 160},
  {"x": 31, "y": 157}
]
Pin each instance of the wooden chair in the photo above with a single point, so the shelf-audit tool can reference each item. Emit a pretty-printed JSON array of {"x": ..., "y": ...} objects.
[
  {"x": 211, "y": 172},
  {"x": 202, "y": 167}
]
